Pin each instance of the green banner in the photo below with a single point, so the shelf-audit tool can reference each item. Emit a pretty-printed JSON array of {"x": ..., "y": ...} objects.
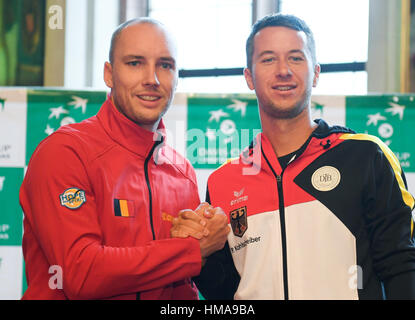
[
  {"x": 11, "y": 213},
  {"x": 47, "y": 110},
  {"x": 389, "y": 117},
  {"x": 219, "y": 128}
]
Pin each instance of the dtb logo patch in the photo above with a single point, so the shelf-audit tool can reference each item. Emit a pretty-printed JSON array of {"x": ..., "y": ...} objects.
[
  {"x": 326, "y": 178},
  {"x": 239, "y": 221},
  {"x": 72, "y": 198}
]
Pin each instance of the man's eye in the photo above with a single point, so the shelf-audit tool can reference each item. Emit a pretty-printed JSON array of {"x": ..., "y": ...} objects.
[
  {"x": 296, "y": 58},
  {"x": 133, "y": 63},
  {"x": 268, "y": 60},
  {"x": 166, "y": 65}
]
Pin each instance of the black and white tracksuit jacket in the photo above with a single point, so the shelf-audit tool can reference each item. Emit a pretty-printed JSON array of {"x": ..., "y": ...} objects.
[{"x": 334, "y": 223}]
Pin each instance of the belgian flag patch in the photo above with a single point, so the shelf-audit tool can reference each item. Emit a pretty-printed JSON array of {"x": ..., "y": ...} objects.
[{"x": 123, "y": 208}]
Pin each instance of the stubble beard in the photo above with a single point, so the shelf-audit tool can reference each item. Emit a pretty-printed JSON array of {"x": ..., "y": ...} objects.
[
  {"x": 279, "y": 112},
  {"x": 138, "y": 117}
]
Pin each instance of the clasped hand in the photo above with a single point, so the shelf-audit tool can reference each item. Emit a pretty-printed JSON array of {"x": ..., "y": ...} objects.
[{"x": 207, "y": 224}]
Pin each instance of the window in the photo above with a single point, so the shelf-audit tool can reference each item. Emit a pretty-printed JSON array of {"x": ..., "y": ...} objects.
[
  {"x": 210, "y": 34},
  {"x": 341, "y": 30}
]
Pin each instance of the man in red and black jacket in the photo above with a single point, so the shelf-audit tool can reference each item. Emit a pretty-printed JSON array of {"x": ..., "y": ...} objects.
[{"x": 317, "y": 212}]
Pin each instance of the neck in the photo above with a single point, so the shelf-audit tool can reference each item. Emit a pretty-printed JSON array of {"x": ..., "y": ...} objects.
[
  {"x": 287, "y": 135},
  {"x": 150, "y": 127}
]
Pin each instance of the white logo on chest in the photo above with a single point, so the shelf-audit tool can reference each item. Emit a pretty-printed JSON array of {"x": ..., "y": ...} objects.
[
  {"x": 239, "y": 197},
  {"x": 325, "y": 178}
]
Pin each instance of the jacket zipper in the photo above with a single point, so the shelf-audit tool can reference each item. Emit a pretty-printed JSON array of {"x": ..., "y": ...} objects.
[
  {"x": 282, "y": 226},
  {"x": 282, "y": 210},
  {"x": 283, "y": 235},
  {"x": 146, "y": 163}
]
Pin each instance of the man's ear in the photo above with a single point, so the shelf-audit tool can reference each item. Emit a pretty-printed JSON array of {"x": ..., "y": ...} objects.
[
  {"x": 108, "y": 74},
  {"x": 317, "y": 70},
  {"x": 248, "y": 78}
]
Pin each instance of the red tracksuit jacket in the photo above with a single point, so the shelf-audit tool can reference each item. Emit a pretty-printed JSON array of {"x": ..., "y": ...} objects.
[{"x": 98, "y": 198}]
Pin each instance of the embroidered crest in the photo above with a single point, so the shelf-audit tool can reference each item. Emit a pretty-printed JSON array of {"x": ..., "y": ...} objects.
[
  {"x": 72, "y": 198},
  {"x": 239, "y": 221}
]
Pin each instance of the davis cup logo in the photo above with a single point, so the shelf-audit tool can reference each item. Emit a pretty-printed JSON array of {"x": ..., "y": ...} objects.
[
  {"x": 73, "y": 198},
  {"x": 325, "y": 178}
]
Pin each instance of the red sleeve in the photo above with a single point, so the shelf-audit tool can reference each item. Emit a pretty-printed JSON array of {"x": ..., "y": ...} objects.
[{"x": 72, "y": 239}]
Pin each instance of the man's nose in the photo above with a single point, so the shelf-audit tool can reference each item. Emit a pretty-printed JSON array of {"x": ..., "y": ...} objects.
[
  {"x": 283, "y": 69},
  {"x": 150, "y": 76}
]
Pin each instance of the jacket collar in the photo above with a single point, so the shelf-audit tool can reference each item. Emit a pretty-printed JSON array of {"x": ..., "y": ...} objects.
[
  {"x": 324, "y": 129},
  {"x": 261, "y": 151},
  {"x": 127, "y": 133}
]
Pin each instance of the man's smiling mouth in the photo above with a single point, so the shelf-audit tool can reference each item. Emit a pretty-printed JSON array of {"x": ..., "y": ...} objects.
[
  {"x": 148, "y": 98},
  {"x": 284, "y": 87}
]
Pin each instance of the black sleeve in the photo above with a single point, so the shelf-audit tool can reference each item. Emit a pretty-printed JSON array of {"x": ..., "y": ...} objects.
[
  {"x": 401, "y": 286},
  {"x": 390, "y": 226},
  {"x": 218, "y": 279}
]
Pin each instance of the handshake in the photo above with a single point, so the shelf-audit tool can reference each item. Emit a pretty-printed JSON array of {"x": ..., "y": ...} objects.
[{"x": 207, "y": 224}]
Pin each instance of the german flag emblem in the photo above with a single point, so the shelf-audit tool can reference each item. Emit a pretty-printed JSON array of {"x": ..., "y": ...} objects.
[
  {"x": 123, "y": 208},
  {"x": 239, "y": 221}
]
